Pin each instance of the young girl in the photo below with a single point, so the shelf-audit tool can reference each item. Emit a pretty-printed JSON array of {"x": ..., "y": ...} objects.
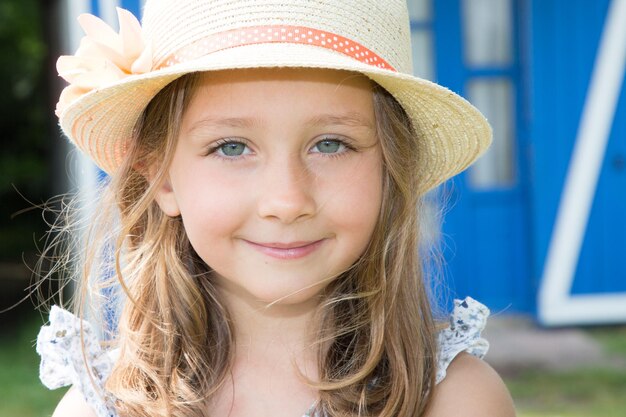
[{"x": 266, "y": 163}]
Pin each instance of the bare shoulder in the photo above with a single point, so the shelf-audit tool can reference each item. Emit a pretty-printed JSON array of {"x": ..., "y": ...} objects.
[
  {"x": 473, "y": 386},
  {"x": 73, "y": 404}
]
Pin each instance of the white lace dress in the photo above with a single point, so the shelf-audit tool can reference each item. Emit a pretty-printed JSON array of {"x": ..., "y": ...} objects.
[{"x": 63, "y": 361}]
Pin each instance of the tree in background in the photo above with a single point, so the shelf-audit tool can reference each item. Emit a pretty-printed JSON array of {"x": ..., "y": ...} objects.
[{"x": 24, "y": 126}]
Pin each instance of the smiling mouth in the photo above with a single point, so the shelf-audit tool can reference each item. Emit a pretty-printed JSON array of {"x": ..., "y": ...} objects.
[{"x": 291, "y": 250}]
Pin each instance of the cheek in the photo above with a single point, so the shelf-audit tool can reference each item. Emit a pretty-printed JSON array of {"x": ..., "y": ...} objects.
[
  {"x": 211, "y": 207},
  {"x": 355, "y": 197}
]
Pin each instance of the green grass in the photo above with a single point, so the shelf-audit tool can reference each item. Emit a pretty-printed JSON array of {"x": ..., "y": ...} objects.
[
  {"x": 576, "y": 393},
  {"x": 613, "y": 339},
  {"x": 584, "y": 392},
  {"x": 21, "y": 392}
]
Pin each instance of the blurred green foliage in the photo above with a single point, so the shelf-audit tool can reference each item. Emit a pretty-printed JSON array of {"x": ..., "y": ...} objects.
[
  {"x": 21, "y": 392},
  {"x": 24, "y": 119}
]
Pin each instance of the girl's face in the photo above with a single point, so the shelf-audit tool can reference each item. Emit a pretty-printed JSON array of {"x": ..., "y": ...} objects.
[{"x": 277, "y": 176}]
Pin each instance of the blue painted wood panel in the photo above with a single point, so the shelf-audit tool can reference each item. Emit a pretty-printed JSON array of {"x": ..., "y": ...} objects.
[
  {"x": 566, "y": 35},
  {"x": 133, "y": 6},
  {"x": 486, "y": 232},
  {"x": 602, "y": 263}
]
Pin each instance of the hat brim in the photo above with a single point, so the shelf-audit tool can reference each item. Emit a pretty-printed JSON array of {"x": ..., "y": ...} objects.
[{"x": 452, "y": 133}]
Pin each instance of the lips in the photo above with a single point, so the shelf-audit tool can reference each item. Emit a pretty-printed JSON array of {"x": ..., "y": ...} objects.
[{"x": 289, "y": 250}]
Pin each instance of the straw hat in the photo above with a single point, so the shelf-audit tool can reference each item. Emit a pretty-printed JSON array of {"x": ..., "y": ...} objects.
[{"x": 114, "y": 76}]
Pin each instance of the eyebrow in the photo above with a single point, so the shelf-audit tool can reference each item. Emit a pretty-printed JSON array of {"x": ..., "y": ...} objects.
[
  {"x": 353, "y": 119},
  {"x": 348, "y": 119},
  {"x": 209, "y": 122}
]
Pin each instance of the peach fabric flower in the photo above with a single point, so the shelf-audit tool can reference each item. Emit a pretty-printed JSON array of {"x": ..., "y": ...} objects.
[{"x": 103, "y": 56}]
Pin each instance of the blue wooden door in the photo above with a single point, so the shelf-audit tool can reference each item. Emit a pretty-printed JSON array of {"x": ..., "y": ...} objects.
[
  {"x": 579, "y": 129},
  {"x": 486, "y": 230}
]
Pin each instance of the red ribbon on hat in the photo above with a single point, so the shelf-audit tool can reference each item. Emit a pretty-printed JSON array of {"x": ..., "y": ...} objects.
[{"x": 275, "y": 34}]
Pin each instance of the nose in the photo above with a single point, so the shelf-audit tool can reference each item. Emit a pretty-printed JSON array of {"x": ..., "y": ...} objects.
[{"x": 287, "y": 191}]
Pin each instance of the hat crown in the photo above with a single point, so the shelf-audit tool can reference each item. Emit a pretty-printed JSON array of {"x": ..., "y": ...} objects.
[{"x": 381, "y": 26}]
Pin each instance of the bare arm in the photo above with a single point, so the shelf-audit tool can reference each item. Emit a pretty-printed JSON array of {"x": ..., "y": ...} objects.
[
  {"x": 73, "y": 404},
  {"x": 472, "y": 386}
]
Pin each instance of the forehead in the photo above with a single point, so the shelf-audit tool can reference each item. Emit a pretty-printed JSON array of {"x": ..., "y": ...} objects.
[
  {"x": 277, "y": 75},
  {"x": 289, "y": 89},
  {"x": 269, "y": 83}
]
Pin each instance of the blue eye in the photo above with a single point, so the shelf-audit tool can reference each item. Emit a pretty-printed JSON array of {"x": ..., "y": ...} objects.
[
  {"x": 330, "y": 146},
  {"x": 232, "y": 149}
]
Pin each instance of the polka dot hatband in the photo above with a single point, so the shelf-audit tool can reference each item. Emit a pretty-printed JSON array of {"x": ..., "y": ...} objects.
[{"x": 275, "y": 34}]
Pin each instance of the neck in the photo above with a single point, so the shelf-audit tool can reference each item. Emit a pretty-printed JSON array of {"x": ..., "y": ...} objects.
[
  {"x": 273, "y": 332},
  {"x": 273, "y": 350}
]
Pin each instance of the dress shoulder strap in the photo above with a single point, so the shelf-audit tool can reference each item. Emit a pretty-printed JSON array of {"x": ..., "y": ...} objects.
[
  {"x": 71, "y": 354},
  {"x": 467, "y": 321}
]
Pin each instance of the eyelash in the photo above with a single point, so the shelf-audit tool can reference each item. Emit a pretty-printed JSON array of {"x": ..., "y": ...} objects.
[
  {"x": 215, "y": 147},
  {"x": 343, "y": 142}
]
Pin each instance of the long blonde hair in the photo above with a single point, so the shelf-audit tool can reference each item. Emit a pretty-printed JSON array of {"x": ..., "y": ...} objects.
[{"x": 376, "y": 333}]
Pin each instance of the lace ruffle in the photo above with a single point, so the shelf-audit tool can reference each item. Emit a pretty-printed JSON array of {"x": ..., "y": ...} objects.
[
  {"x": 69, "y": 359},
  {"x": 467, "y": 321}
]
